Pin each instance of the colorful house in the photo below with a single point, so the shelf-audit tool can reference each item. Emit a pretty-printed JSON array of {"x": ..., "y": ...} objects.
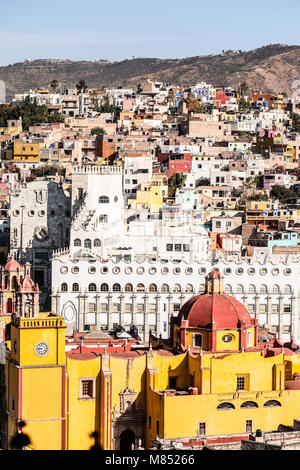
[{"x": 212, "y": 377}]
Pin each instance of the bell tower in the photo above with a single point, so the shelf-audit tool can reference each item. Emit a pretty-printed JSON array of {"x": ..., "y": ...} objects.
[
  {"x": 36, "y": 371},
  {"x": 214, "y": 283}
]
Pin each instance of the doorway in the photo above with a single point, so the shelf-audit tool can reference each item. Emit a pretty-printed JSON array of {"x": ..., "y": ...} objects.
[{"x": 127, "y": 438}]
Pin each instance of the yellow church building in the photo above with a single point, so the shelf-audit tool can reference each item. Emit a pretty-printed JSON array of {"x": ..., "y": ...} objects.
[{"x": 212, "y": 377}]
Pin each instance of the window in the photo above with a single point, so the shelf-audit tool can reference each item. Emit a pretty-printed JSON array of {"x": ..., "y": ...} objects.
[
  {"x": 86, "y": 388},
  {"x": 263, "y": 289},
  {"x": 202, "y": 429},
  {"x": 116, "y": 288},
  {"x": 177, "y": 247},
  {"x": 92, "y": 308},
  {"x": 241, "y": 382},
  {"x": 75, "y": 288},
  {"x": 186, "y": 247},
  {"x": 64, "y": 287},
  {"x": 104, "y": 288},
  {"x": 287, "y": 309},
  {"x": 272, "y": 403},
  {"x": 97, "y": 242},
  {"x": 103, "y": 200},
  {"x": 103, "y": 219},
  {"x": 165, "y": 288},
  {"x": 176, "y": 307},
  {"x": 225, "y": 406},
  {"x": 75, "y": 270},
  {"x": 153, "y": 288},
  {"x": 249, "y": 426},
  {"x": 87, "y": 244},
  {"x": 140, "y": 288},
  {"x": 197, "y": 341},
  {"x": 172, "y": 382},
  {"x": 177, "y": 288},
  {"x": 249, "y": 404},
  {"x": 92, "y": 288},
  {"x": 128, "y": 288},
  {"x": 169, "y": 247}
]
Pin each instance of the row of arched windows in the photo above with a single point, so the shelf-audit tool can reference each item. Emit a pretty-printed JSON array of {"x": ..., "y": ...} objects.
[
  {"x": 263, "y": 289},
  {"x": 129, "y": 288},
  {"x": 87, "y": 243},
  {"x": 247, "y": 404}
]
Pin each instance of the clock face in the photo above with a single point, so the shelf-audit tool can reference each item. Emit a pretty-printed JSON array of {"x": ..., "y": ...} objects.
[{"x": 41, "y": 349}]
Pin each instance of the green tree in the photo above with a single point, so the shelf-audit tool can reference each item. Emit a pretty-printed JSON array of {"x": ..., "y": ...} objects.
[
  {"x": 251, "y": 182},
  {"x": 281, "y": 193},
  {"x": 177, "y": 181},
  {"x": 54, "y": 85},
  {"x": 244, "y": 105},
  {"x": 296, "y": 122},
  {"x": 81, "y": 86},
  {"x": 244, "y": 89},
  {"x": 30, "y": 113},
  {"x": 97, "y": 131}
]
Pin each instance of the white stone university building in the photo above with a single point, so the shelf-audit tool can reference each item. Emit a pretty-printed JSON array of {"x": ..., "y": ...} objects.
[{"x": 111, "y": 275}]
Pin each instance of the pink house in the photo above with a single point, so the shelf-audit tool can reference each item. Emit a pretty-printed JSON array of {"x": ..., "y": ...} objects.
[{"x": 10, "y": 179}]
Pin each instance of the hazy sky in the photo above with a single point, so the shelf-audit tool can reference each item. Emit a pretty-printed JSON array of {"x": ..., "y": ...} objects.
[{"x": 90, "y": 29}]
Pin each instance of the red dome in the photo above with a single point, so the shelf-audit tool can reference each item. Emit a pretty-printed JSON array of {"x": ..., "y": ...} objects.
[
  {"x": 214, "y": 274},
  {"x": 225, "y": 311},
  {"x": 27, "y": 285},
  {"x": 12, "y": 265}
]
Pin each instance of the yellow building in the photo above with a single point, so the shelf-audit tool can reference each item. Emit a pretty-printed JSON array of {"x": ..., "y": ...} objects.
[
  {"x": 26, "y": 152},
  {"x": 13, "y": 127},
  {"x": 211, "y": 378},
  {"x": 151, "y": 195}
]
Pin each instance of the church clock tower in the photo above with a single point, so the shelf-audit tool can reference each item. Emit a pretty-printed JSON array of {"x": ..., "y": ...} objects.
[{"x": 36, "y": 378}]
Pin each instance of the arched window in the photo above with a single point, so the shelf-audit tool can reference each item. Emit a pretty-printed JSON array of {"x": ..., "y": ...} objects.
[
  {"x": 103, "y": 219},
  {"x": 116, "y": 288},
  {"x": 140, "y": 288},
  {"x": 263, "y": 289},
  {"x": 104, "y": 288},
  {"x": 75, "y": 287},
  {"x": 275, "y": 289},
  {"x": 249, "y": 404},
  {"x": 272, "y": 403},
  {"x": 15, "y": 283},
  {"x": 92, "y": 288},
  {"x": 103, "y": 200},
  {"x": 9, "y": 306},
  {"x": 188, "y": 288},
  {"x": 177, "y": 288},
  {"x": 153, "y": 288},
  {"x": 64, "y": 287},
  {"x": 87, "y": 243},
  {"x": 226, "y": 406},
  {"x": 251, "y": 289},
  {"x": 128, "y": 288},
  {"x": 97, "y": 242},
  {"x": 202, "y": 288},
  {"x": 227, "y": 289},
  {"x": 239, "y": 289},
  {"x": 287, "y": 289},
  {"x": 77, "y": 242},
  {"x": 165, "y": 288}
]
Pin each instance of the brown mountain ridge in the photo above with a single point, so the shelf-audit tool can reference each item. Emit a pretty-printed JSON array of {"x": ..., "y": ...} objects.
[{"x": 273, "y": 68}]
